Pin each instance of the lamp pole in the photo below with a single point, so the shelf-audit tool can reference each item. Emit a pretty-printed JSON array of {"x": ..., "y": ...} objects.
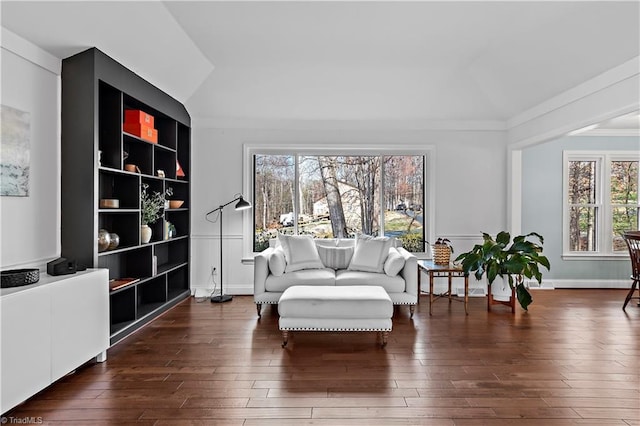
[{"x": 242, "y": 205}]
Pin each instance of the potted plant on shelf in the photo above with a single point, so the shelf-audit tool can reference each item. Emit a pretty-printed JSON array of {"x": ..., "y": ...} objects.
[
  {"x": 151, "y": 205},
  {"x": 512, "y": 261},
  {"x": 442, "y": 251}
]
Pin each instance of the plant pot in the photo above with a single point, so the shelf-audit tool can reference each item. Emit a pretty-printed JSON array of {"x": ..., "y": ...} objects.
[
  {"x": 501, "y": 293},
  {"x": 441, "y": 254},
  {"x": 145, "y": 234},
  {"x": 500, "y": 289}
]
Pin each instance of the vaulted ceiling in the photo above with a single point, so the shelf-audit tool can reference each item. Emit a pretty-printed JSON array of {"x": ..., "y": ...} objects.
[{"x": 293, "y": 60}]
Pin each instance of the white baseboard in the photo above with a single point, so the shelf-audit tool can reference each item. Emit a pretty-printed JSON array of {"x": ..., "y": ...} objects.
[
  {"x": 606, "y": 284},
  {"x": 245, "y": 290},
  {"x": 474, "y": 291}
]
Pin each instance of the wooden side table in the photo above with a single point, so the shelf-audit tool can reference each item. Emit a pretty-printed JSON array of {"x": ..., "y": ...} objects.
[{"x": 450, "y": 271}]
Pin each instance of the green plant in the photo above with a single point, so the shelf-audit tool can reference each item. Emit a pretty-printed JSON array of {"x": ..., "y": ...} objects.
[
  {"x": 501, "y": 257},
  {"x": 444, "y": 242},
  {"x": 152, "y": 203}
]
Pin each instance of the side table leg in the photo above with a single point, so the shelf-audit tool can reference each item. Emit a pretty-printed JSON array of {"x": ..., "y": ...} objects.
[
  {"x": 419, "y": 284},
  {"x": 430, "y": 291},
  {"x": 450, "y": 279}
]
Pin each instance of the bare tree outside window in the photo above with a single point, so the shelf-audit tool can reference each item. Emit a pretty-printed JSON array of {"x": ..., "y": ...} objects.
[
  {"x": 273, "y": 195},
  {"x": 603, "y": 190},
  {"x": 582, "y": 208},
  {"x": 624, "y": 200},
  {"x": 404, "y": 200}
]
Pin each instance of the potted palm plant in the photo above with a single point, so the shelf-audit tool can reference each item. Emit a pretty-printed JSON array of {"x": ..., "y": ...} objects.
[{"x": 512, "y": 261}]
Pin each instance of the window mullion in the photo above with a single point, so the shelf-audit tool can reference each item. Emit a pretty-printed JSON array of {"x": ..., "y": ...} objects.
[
  {"x": 381, "y": 199},
  {"x": 296, "y": 192},
  {"x": 606, "y": 228}
]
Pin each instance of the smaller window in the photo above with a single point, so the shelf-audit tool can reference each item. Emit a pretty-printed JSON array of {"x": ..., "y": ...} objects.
[{"x": 601, "y": 201}]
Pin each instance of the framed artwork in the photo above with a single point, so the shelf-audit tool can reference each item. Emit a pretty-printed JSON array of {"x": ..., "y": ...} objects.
[{"x": 15, "y": 152}]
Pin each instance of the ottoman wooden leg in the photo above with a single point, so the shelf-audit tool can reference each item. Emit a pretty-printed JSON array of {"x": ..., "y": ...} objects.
[
  {"x": 285, "y": 337},
  {"x": 384, "y": 335}
]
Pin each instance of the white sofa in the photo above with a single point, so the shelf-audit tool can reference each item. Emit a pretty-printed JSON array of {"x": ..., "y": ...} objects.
[{"x": 269, "y": 284}]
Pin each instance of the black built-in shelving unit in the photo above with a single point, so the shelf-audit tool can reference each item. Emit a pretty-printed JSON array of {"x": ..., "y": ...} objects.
[{"x": 96, "y": 90}]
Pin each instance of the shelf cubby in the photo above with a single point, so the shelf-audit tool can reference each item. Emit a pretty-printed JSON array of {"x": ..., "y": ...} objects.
[
  {"x": 123, "y": 309},
  {"x": 124, "y": 223},
  {"x": 177, "y": 282},
  {"x": 134, "y": 263},
  {"x": 152, "y": 294},
  {"x": 171, "y": 253},
  {"x": 180, "y": 219},
  {"x": 121, "y": 186}
]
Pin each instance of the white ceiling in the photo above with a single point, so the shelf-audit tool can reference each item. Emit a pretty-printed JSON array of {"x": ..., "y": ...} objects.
[{"x": 293, "y": 60}]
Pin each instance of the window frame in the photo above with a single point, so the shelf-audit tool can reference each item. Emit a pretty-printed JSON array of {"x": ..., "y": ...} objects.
[
  {"x": 604, "y": 217},
  {"x": 249, "y": 151}
]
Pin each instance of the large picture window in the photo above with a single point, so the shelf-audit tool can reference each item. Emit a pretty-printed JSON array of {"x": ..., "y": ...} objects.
[
  {"x": 601, "y": 201},
  {"x": 339, "y": 196}
]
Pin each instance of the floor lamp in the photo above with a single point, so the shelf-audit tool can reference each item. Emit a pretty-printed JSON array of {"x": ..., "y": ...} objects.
[{"x": 242, "y": 205}]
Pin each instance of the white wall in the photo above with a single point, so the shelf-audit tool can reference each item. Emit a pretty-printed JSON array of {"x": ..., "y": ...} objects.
[
  {"x": 30, "y": 226},
  {"x": 470, "y": 185}
]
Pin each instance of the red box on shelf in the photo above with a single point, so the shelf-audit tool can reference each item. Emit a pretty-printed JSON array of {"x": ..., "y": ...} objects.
[
  {"x": 145, "y": 132},
  {"x": 138, "y": 116}
]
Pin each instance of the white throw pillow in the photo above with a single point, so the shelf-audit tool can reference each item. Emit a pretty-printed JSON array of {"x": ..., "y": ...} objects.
[
  {"x": 335, "y": 257},
  {"x": 277, "y": 262},
  {"x": 370, "y": 253},
  {"x": 300, "y": 252},
  {"x": 394, "y": 263}
]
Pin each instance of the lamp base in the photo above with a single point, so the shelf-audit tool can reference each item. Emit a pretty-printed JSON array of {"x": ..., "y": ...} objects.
[{"x": 221, "y": 298}]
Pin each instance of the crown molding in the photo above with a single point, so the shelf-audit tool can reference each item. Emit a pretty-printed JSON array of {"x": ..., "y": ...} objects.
[{"x": 30, "y": 52}]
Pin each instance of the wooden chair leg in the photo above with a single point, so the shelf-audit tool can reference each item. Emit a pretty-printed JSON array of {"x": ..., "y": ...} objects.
[
  {"x": 259, "y": 308},
  {"x": 630, "y": 294}
]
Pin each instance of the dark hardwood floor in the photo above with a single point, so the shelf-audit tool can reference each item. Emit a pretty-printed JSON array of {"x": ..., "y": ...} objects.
[{"x": 574, "y": 358}]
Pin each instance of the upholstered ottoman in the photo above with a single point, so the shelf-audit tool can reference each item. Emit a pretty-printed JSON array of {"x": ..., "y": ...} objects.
[{"x": 329, "y": 308}]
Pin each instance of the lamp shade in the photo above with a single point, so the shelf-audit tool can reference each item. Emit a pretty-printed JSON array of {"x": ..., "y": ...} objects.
[{"x": 243, "y": 204}]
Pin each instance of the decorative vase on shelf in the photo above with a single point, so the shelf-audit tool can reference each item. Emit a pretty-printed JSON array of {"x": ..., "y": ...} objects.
[
  {"x": 145, "y": 234},
  {"x": 115, "y": 241},
  {"x": 104, "y": 239}
]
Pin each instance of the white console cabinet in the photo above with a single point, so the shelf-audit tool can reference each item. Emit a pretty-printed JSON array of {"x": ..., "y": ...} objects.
[{"x": 50, "y": 328}]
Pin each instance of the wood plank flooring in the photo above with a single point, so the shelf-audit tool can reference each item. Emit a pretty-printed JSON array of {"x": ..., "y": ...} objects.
[{"x": 574, "y": 358}]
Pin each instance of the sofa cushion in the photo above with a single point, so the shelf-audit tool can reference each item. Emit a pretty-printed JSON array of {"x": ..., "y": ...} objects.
[
  {"x": 370, "y": 253},
  {"x": 335, "y": 257},
  {"x": 277, "y": 262},
  {"x": 300, "y": 252},
  {"x": 313, "y": 277},
  {"x": 394, "y": 263},
  {"x": 394, "y": 284}
]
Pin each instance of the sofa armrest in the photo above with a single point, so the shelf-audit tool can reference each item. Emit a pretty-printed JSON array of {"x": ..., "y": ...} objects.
[
  {"x": 261, "y": 270},
  {"x": 409, "y": 272}
]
